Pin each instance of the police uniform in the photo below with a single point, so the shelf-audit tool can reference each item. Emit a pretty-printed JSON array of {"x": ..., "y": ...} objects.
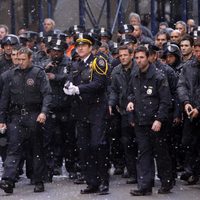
[
  {"x": 151, "y": 98},
  {"x": 25, "y": 95},
  {"x": 90, "y": 108},
  {"x": 60, "y": 124},
  {"x": 5, "y": 64},
  {"x": 118, "y": 97}
]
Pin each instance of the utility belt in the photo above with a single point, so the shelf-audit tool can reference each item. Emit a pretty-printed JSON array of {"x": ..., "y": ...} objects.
[{"x": 25, "y": 110}]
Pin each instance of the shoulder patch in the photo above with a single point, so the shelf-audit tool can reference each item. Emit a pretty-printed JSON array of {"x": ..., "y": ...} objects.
[{"x": 101, "y": 62}]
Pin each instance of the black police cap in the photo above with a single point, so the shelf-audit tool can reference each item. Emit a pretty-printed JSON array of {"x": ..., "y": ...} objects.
[
  {"x": 57, "y": 44},
  {"x": 75, "y": 29},
  {"x": 105, "y": 33},
  {"x": 196, "y": 33},
  {"x": 114, "y": 48},
  {"x": 126, "y": 28},
  {"x": 126, "y": 39},
  {"x": 152, "y": 48}
]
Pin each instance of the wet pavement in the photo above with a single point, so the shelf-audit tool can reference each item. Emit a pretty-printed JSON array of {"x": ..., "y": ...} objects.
[{"x": 64, "y": 189}]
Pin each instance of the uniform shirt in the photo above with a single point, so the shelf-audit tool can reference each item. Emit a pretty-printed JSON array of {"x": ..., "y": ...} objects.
[
  {"x": 25, "y": 88},
  {"x": 150, "y": 94}
]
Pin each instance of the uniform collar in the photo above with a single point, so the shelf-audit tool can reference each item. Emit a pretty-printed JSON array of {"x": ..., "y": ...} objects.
[{"x": 149, "y": 73}]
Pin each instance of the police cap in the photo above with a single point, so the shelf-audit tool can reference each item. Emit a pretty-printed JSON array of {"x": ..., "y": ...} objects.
[
  {"x": 105, "y": 33},
  {"x": 126, "y": 28},
  {"x": 126, "y": 39},
  {"x": 75, "y": 29},
  {"x": 57, "y": 44},
  {"x": 83, "y": 38}
]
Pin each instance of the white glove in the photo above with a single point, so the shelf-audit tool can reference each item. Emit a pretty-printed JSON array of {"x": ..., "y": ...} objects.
[
  {"x": 74, "y": 88},
  {"x": 71, "y": 89}
]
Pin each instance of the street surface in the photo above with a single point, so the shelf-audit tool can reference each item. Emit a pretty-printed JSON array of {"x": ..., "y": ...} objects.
[{"x": 63, "y": 189}]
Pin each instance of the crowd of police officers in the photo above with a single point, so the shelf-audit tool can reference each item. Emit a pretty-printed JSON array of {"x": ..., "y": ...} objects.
[{"x": 76, "y": 98}]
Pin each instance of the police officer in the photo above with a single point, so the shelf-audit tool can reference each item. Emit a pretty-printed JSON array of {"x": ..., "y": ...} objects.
[
  {"x": 118, "y": 98},
  {"x": 90, "y": 102},
  {"x": 150, "y": 100},
  {"x": 25, "y": 102},
  {"x": 60, "y": 123},
  {"x": 9, "y": 44},
  {"x": 188, "y": 92},
  {"x": 5, "y": 59}
]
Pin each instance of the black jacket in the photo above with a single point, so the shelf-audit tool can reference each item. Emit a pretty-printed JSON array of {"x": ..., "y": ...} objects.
[
  {"x": 60, "y": 101},
  {"x": 172, "y": 78},
  {"x": 91, "y": 104},
  {"x": 27, "y": 89},
  {"x": 119, "y": 87},
  {"x": 5, "y": 64},
  {"x": 150, "y": 94},
  {"x": 189, "y": 84}
]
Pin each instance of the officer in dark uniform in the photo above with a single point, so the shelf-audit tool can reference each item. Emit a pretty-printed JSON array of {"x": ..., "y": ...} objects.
[
  {"x": 25, "y": 102},
  {"x": 118, "y": 98},
  {"x": 9, "y": 42},
  {"x": 5, "y": 59},
  {"x": 150, "y": 101},
  {"x": 60, "y": 122},
  {"x": 189, "y": 95},
  {"x": 173, "y": 139},
  {"x": 90, "y": 107}
]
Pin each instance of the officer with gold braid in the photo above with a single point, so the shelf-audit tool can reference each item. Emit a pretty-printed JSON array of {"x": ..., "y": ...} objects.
[{"x": 87, "y": 86}]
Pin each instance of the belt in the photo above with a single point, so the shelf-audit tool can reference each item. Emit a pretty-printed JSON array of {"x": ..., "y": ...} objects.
[{"x": 25, "y": 110}]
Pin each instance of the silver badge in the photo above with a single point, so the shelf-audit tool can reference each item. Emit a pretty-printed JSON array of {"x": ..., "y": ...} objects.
[
  {"x": 30, "y": 82},
  {"x": 149, "y": 91}
]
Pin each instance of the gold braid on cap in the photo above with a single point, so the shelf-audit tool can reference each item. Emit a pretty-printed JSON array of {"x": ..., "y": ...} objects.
[{"x": 83, "y": 40}]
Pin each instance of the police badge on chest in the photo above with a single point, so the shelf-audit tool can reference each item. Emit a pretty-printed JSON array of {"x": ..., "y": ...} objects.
[{"x": 149, "y": 90}]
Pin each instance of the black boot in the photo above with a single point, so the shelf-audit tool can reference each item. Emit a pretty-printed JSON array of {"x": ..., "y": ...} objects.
[
  {"x": 104, "y": 188},
  {"x": 90, "y": 189},
  {"x": 7, "y": 186},
  {"x": 141, "y": 192},
  {"x": 39, "y": 187}
]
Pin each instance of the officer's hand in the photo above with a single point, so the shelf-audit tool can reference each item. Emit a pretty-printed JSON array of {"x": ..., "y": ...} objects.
[
  {"x": 177, "y": 121},
  {"x": 188, "y": 109},
  {"x": 194, "y": 113},
  {"x": 156, "y": 126},
  {"x": 130, "y": 107},
  {"x": 41, "y": 118},
  {"x": 51, "y": 76},
  {"x": 110, "y": 110},
  {"x": 49, "y": 65},
  {"x": 71, "y": 89},
  {"x": 3, "y": 128}
]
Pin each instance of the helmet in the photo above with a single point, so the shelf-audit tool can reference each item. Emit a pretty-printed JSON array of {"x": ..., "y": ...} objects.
[
  {"x": 10, "y": 39},
  {"x": 171, "y": 48}
]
